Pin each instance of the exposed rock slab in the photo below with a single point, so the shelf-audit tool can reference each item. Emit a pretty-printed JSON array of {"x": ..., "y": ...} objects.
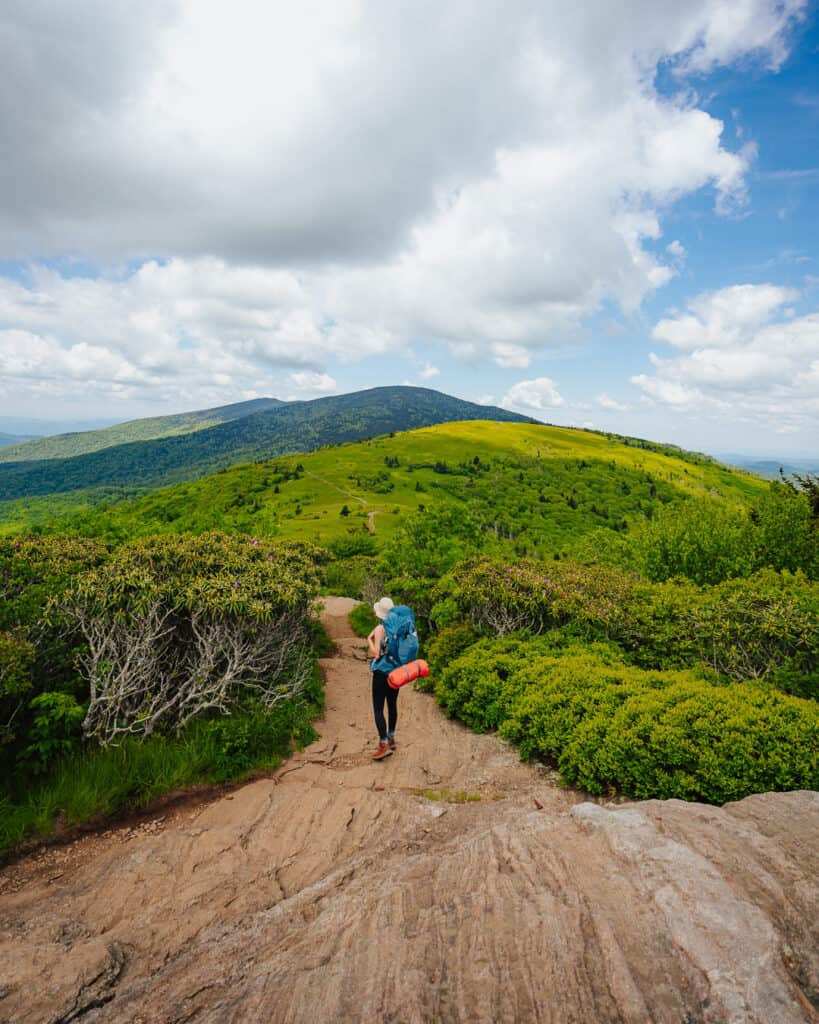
[{"x": 340, "y": 891}]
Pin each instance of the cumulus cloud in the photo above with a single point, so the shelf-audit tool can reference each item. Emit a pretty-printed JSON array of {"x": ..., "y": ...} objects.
[
  {"x": 428, "y": 372},
  {"x": 311, "y": 385},
  {"x": 201, "y": 327},
  {"x": 744, "y": 355},
  {"x": 291, "y": 188},
  {"x": 539, "y": 394},
  {"x": 725, "y": 317},
  {"x": 278, "y": 131},
  {"x": 676, "y": 250},
  {"x": 610, "y": 403}
]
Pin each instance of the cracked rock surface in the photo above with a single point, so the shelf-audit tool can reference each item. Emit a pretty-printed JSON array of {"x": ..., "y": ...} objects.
[{"x": 447, "y": 883}]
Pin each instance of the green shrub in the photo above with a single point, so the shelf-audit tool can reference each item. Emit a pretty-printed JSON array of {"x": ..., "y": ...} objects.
[
  {"x": 363, "y": 619},
  {"x": 16, "y": 662},
  {"x": 500, "y": 597},
  {"x": 784, "y": 534},
  {"x": 251, "y": 740},
  {"x": 37, "y": 650},
  {"x": 707, "y": 541},
  {"x": 765, "y": 626},
  {"x": 347, "y": 577},
  {"x": 610, "y": 726},
  {"x": 480, "y": 685},
  {"x": 697, "y": 741},
  {"x": 704, "y": 540},
  {"x": 35, "y": 569},
  {"x": 555, "y": 694},
  {"x": 448, "y": 644},
  {"x": 56, "y": 730},
  {"x": 475, "y": 686},
  {"x": 429, "y": 543},
  {"x": 318, "y": 638},
  {"x": 355, "y": 544}
]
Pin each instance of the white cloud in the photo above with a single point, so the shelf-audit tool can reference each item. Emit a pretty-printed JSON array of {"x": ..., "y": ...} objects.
[
  {"x": 292, "y": 190},
  {"x": 428, "y": 371},
  {"x": 610, "y": 403},
  {"x": 309, "y": 385},
  {"x": 538, "y": 394},
  {"x": 279, "y": 131},
  {"x": 203, "y": 328},
  {"x": 510, "y": 357},
  {"x": 744, "y": 356},
  {"x": 676, "y": 250},
  {"x": 725, "y": 317}
]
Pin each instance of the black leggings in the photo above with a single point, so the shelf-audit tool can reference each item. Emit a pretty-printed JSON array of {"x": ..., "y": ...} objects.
[{"x": 382, "y": 691}]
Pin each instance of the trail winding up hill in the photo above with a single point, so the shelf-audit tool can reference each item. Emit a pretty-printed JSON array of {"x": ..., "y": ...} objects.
[{"x": 343, "y": 890}]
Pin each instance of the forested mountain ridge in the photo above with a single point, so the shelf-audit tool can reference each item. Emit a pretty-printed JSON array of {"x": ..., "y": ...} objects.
[
  {"x": 294, "y": 427},
  {"x": 64, "y": 446}
]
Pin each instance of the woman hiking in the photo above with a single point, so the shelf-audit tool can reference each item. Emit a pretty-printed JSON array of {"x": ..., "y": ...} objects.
[{"x": 382, "y": 691}]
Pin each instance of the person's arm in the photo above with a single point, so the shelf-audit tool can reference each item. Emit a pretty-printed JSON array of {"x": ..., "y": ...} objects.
[{"x": 374, "y": 642}]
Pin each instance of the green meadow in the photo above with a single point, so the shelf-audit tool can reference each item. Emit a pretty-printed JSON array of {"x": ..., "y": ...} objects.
[{"x": 541, "y": 487}]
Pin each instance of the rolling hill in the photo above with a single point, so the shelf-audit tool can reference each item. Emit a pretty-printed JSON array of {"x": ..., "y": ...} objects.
[
  {"x": 539, "y": 489},
  {"x": 63, "y": 446},
  {"x": 289, "y": 428}
]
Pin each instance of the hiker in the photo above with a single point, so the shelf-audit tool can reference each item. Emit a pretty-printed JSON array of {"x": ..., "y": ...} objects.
[
  {"x": 393, "y": 642},
  {"x": 382, "y": 691}
]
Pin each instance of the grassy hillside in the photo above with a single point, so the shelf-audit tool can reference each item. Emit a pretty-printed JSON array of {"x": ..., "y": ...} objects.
[
  {"x": 541, "y": 488},
  {"x": 295, "y": 427},
  {"x": 63, "y": 446}
]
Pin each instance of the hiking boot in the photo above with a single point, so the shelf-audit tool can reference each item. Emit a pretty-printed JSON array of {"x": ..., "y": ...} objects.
[
  {"x": 391, "y": 742},
  {"x": 384, "y": 750}
]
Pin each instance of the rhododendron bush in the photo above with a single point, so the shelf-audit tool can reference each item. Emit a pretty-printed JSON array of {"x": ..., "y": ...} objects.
[
  {"x": 182, "y": 625},
  {"x": 763, "y": 627}
]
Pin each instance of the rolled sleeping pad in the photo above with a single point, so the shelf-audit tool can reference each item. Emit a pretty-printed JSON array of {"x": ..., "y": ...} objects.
[{"x": 406, "y": 673}]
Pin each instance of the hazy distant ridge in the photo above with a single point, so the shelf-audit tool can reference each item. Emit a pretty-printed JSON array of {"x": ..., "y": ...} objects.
[
  {"x": 63, "y": 446},
  {"x": 12, "y": 439}
]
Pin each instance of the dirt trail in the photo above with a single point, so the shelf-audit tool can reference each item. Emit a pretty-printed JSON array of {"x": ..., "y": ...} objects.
[{"x": 338, "y": 891}]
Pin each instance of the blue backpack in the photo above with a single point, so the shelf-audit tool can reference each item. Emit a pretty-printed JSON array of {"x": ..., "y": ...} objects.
[{"x": 401, "y": 640}]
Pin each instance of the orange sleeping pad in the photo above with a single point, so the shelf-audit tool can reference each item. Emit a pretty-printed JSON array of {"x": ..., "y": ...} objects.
[{"x": 406, "y": 673}]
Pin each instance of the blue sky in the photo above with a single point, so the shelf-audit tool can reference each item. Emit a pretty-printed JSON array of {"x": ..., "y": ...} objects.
[{"x": 602, "y": 216}]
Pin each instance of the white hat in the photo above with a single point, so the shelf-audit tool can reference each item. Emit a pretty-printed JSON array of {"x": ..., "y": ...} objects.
[{"x": 382, "y": 607}]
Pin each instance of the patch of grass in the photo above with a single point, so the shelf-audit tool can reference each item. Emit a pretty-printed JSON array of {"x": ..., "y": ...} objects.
[
  {"x": 363, "y": 620},
  {"x": 449, "y": 796},
  {"x": 99, "y": 782},
  {"x": 319, "y": 640}
]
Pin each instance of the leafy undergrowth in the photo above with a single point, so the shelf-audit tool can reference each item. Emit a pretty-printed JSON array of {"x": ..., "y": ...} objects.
[
  {"x": 97, "y": 782},
  {"x": 614, "y": 727},
  {"x": 363, "y": 620},
  {"x": 168, "y": 662}
]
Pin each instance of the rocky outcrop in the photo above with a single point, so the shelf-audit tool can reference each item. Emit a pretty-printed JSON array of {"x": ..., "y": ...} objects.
[{"x": 448, "y": 883}]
